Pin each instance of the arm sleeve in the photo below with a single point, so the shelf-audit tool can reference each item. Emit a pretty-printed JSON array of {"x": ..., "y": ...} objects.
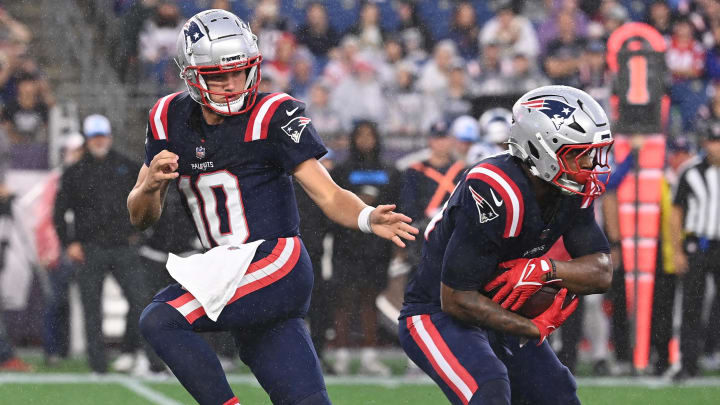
[
  {"x": 294, "y": 136},
  {"x": 472, "y": 252},
  {"x": 585, "y": 237}
]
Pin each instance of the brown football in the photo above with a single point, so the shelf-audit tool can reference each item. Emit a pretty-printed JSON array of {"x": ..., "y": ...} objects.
[{"x": 538, "y": 302}]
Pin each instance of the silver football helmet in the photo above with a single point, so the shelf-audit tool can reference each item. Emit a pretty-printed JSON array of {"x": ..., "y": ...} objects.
[
  {"x": 554, "y": 129},
  {"x": 495, "y": 125},
  {"x": 216, "y": 42}
]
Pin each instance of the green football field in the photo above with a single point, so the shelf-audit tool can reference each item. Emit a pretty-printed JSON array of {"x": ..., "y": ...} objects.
[{"x": 85, "y": 389}]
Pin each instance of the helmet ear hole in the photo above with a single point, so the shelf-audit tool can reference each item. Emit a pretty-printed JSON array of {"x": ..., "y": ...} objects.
[
  {"x": 533, "y": 150},
  {"x": 574, "y": 125}
]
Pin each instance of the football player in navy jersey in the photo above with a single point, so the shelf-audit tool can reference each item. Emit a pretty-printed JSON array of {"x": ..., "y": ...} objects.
[
  {"x": 483, "y": 257},
  {"x": 231, "y": 152}
]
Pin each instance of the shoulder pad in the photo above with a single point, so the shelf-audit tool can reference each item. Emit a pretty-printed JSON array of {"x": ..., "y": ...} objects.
[
  {"x": 262, "y": 113},
  {"x": 504, "y": 192},
  {"x": 158, "y": 117}
]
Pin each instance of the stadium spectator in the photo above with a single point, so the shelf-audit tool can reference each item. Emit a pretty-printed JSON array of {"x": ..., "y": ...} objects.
[
  {"x": 157, "y": 42},
  {"x": 303, "y": 74},
  {"x": 13, "y": 30},
  {"x": 268, "y": 24},
  {"x": 316, "y": 33},
  {"x": 25, "y": 118},
  {"x": 490, "y": 79},
  {"x": 367, "y": 30},
  {"x": 513, "y": 33},
  {"x": 341, "y": 60},
  {"x": 464, "y": 30},
  {"x": 593, "y": 74},
  {"x": 712, "y": 59},
  {"x": 358, "y": 256},
  {"x": 466, "y": 131},
  {"x": 411, "y": 112},
  {"x": 411, "y": 24},
  {"x": 95, "y": 190},
  {"x": 124, "y": 45},
  {"x": 456, "y": 99},
  {"x": 280, "y": 66},
  {"x": 548, "y": 30},
  {"x": 359, "y": 96},
  {"x": 435, "y": 74},
  {"x": 525, "y": 75},
  {"x": 685, "y": 59},
  {"x": 562, "y": 63},
  {"x": 324, "y": 117},
  {"x": 659, "y": 17}
]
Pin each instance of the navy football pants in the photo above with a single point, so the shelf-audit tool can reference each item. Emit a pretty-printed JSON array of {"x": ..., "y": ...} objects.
[
  {"x": 266, "y": 322},
  {"x": 475, "y": 367}
]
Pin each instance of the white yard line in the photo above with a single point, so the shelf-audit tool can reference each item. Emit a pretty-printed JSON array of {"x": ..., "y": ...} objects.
[
  {"x": 148, "y": 393},
  {"x": 136, "y": 384}
]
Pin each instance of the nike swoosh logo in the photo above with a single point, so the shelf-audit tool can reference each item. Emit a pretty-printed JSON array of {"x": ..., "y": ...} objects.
[
  {"x": 495, "y": 199},
  {"x": 291, "y": 112}
]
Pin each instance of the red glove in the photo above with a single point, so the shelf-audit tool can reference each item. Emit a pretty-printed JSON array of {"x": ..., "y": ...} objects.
[
  {"x": 554, "y": 316},
  {"x": 523, "y": 277}
]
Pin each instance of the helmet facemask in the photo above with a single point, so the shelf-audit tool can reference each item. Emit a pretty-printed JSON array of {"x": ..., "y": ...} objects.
[
  {"x": 572, "y": 178},
  {"x": 235, "y": 103}
]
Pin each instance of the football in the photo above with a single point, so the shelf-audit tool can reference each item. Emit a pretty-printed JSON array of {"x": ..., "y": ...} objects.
[{"x": 538, "y": 302}]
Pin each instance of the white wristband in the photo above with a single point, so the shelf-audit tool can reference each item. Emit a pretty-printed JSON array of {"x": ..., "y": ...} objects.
[{"x": 364, "y": 219}]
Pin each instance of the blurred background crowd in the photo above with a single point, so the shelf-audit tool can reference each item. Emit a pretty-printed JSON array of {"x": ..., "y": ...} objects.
[{"x": 411, "y": 92}]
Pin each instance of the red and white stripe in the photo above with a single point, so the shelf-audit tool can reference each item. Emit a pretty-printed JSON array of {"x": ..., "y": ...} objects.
[
  {"x": 508, "y": 190},
  {"x": 158, "y": 117},
  {"x": 260, "y": 274},
  {"x": 443, "y": 361},
  {"x": 257, "y": 127},
  {"x": 534, "y": 103}
]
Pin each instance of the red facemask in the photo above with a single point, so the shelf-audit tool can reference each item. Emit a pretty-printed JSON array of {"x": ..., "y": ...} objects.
[
  {"x": 248, "y": 94},
  {"x": 592, "y": 180}
]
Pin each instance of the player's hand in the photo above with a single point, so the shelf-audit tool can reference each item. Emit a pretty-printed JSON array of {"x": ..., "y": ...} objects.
[
  {"x": 553, "y": 317},
  {"x": 392, "y": 225},
  {"x": 75, "y": 252},
  {"x": 163, "y": 168},
  {"x": 523, "y": 278}
]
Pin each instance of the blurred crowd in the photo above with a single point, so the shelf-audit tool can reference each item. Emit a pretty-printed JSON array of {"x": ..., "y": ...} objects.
[{"x": 372, "y": 73}]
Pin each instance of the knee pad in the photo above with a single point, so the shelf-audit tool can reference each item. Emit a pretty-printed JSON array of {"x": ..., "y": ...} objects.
[
  {"x": 493, "y": 392},
  {"x": 318, "y": 398}
]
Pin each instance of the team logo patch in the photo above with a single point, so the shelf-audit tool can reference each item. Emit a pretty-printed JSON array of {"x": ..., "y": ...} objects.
[
  {"x": 295, "y": 127},
  {"x": 192, "y": 33},
  {"x": 200, "y": 152},
  {"x": 486, "y": 213},
  {"x": 556, "y": 110}
]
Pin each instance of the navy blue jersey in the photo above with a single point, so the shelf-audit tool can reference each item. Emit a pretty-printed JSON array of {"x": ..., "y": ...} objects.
[
  {"x": 235, "y": 177},
  {"x": 491, "y": 217}
]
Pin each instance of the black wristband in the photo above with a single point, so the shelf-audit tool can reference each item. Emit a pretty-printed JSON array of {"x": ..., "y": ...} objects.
[{"x": 553, "y": 272}]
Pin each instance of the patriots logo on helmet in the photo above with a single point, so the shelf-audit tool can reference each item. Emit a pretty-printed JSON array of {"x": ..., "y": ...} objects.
[
  {"x": 295, "y": 127},
  {"x": 556, "y": 110},
  {"x": 192, "y": 33},
  {"x": 485, "y": 210}
]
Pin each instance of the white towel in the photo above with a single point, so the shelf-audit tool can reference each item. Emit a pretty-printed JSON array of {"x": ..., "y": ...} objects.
[{"x": 212, "y": 277}]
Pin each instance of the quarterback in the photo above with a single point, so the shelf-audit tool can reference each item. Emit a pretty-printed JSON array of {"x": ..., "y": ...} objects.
[{"x": 231, "y": 152}]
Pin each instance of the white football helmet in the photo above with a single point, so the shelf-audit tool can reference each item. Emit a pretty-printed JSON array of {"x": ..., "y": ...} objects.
[
  {"x": 554, "y": 125},
  {"x": 214, "y": 42},
  {"x": 495, "y": 125}
]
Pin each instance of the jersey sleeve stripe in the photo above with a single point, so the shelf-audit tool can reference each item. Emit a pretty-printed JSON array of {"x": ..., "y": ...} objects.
[
  {"x": 427, "y": 337},
  {"x": 254, "y": 130},
  {"x": 265, "y": 124},
  {"x": 510, "y": 193},
  {"x": 158, "y": 117}
]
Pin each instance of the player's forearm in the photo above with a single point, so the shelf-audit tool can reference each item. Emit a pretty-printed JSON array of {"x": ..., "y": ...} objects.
[
  {"x": 590, "y": 274},
  {"x": 145, "y": 207},
  {"x": 343, "y": 208},
  {"x": 473, "y": 308},
  {"x": 676, "y": 225}
]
